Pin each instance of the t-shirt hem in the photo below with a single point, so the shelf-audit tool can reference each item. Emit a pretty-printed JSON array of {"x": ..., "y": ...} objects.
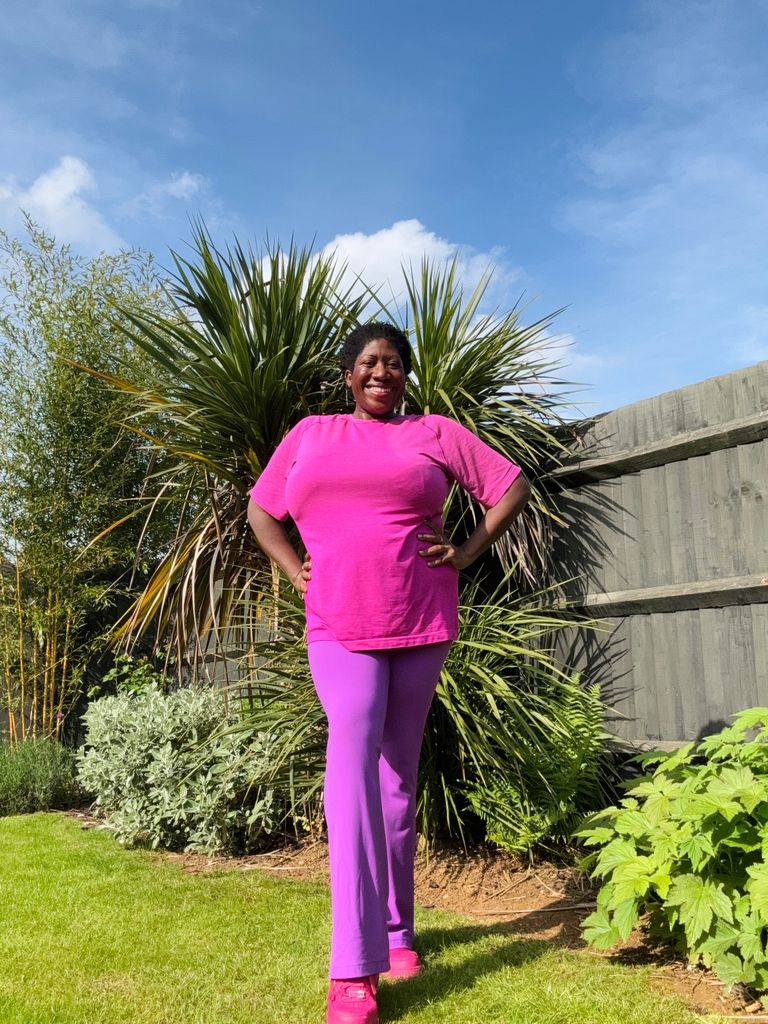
[{"x": 383, "y": 643}]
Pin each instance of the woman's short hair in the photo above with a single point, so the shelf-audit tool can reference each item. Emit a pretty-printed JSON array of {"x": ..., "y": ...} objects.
[{"x": 357, "y": 339}]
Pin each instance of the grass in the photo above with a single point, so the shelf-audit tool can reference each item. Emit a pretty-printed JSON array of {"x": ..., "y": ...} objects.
[{"x": 91, "y": 932}]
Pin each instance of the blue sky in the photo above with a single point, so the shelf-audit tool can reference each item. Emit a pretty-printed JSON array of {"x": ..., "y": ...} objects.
[{"x": 609, "y": 158}]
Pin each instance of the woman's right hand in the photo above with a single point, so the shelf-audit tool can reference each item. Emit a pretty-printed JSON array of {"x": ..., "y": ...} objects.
[{"x": 301, "y": 579}]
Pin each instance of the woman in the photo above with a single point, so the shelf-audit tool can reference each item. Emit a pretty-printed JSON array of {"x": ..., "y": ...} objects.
[{"x": 380, "y": 585}]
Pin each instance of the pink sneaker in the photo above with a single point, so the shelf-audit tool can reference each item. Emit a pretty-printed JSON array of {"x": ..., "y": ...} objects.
[
  {"x": 352, "y": 1001},
  {"x": 403, "y": 963}
]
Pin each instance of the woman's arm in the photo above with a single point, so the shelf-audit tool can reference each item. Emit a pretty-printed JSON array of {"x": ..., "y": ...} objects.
[
  {"x": 273, "y": 541},
  {"x": 494, "y": 523}
]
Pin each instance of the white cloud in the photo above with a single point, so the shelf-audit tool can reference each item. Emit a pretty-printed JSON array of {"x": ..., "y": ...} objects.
[
  {"x": 379, "y": 259},
  {"x": 156, "y": 198},
  {"x": 55, "y": 201},
  {"x": 182, "y": 185}
]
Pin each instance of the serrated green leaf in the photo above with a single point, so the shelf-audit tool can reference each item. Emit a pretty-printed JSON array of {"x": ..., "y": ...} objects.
[
  {"x": 596, "y": 836},
  {"x": 613, "y": 855},
  {"x": 757, "y": 887},
  {"x": 633, "y": 823},
  {"x": 598, "y": 931},
  {"x": 698, "y": 902},
  {"x": 658, "y": 808},
  {"x": 661, "y": 881},
  {"x": 646, "y": 787},
  {"x": 625, "y": 917},
  {"x": 698, "y": 848},
  {"x": 674, "y": 760},
  {"x": 720, "y": 942},
  {"x": 729, "y": 969},
  {"x": 631, "y": 878},
  {"x": 737, "y": 785},
  {"x": 751, "y": 945},
  {"x": 751, "y": 717}
]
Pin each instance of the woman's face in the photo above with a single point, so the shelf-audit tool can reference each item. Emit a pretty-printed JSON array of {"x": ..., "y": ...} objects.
[{"x": 377, "y": 380}]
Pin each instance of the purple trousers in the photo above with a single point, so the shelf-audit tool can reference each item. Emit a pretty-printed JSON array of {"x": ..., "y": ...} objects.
[{"x": 376, "y": 703}]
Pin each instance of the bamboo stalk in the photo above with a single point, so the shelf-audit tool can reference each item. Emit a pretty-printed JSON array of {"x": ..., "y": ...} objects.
[
  {"x": 35, "y": 676},
  {"x": 64, "y": 670},
  {"x": 7, "y": 668},
  {"x": 20, "y": 623}
]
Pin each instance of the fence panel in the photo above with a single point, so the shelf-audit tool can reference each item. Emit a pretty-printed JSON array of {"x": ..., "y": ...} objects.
[{"x": 666, "y": 540}]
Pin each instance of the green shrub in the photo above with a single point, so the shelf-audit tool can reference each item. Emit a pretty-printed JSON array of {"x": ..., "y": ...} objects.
[
  {"x": 174, "y": 770},
  {"x": 688, "y": 848},
  {"x": 553, "y": 790},
  {"x": 37, "y": 775}
]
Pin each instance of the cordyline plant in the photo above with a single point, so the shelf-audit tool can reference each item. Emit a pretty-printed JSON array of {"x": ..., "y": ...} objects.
[
  {"x": 687, "y": 849},
  {"x": 249, "y": 349}
]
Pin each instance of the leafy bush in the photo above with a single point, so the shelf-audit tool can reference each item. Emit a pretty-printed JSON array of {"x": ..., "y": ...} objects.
[
  {"x": 688, "y": 848},
  {"x": 37, "y": 775},
  {"x": 555, "y": 786},
  {"x": 174, "y": 770}
]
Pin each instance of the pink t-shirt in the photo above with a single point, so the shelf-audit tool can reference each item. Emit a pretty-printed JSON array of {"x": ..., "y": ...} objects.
[{"x": 359, "y": 492}]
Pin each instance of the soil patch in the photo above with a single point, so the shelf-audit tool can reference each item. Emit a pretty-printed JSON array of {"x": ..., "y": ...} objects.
[{"x": 545, "y": 901}]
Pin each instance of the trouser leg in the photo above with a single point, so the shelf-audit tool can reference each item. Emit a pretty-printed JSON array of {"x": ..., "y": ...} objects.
[
  {"x": 352, "y": 687},
  {"x": 414, "y": 674}
]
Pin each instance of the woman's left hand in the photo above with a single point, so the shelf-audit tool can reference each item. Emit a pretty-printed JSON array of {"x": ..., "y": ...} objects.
[{"x": 441, "y": 551}]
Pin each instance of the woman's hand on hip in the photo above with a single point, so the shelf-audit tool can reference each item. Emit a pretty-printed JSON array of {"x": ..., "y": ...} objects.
[
  {"x": 301, "y": 579},
  {"x": 441, "y": 551}
]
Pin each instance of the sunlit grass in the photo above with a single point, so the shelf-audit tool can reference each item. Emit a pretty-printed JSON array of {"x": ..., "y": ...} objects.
[{"x": 90, "y": 932}]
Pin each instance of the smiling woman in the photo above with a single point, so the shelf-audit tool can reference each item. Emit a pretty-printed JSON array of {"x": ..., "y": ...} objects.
[{"x": 380, "y": 585}]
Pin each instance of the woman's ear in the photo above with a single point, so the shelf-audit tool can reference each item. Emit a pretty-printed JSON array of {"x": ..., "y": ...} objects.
[{"x": 348, "y": 378}]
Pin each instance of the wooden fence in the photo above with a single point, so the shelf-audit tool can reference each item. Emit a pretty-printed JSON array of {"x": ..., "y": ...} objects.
[{"x": 666, "y": 540}]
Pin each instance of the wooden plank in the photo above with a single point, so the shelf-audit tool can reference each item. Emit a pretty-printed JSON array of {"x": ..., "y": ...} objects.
[
  {"x": 712, "y": 677},
  {"x": 612, "y": 657},
  {"x": 761, "y": 373},
  {"x": 677, "y": 506},
  {"x": 753, "y": 468},
  {"x": 631, "y": 529},
  {"x": 659, "y": 453},
  {"x": 733, "y": 540},
  {"x": 691, "y": 653},
  {"x": 644, "y": 672},
  {"x": 672, "y": 597},
  {"x": 657, "y": 542},
  {"x": 702, "y": 532},
  {"x": 758, "y": 614},
  {"x": 690, "y": 405},
  {"x": 746, "y": 391},
  {"x": 669, "y": 677}
]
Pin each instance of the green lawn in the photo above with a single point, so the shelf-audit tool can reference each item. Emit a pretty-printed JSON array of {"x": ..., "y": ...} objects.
[{"x": 91, "y": 933}]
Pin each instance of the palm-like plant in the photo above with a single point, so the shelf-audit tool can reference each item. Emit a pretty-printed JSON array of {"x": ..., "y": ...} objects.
[
  {"x": 246, "y": 353},
  {"x": 495, "y": 376},
  {"x": 250, "y": 349}
]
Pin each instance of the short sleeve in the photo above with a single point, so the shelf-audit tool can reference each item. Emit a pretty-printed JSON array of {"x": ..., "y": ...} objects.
[
  {"x": 269, "y": 490},
  {"x": 474, "y": 465}
]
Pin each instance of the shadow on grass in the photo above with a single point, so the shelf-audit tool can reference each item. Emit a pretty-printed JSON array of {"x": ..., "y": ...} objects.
[{"x": 439, "y": 980}]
